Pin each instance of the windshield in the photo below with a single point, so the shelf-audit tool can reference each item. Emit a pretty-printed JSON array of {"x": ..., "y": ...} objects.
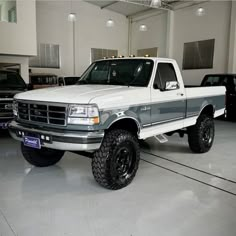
[
  {"x": 131, "y": 72},
  {"x": 10, "y": 80}
]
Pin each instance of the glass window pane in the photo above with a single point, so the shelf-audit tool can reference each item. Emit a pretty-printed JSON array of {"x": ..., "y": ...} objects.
[
  {"x": 8, "y": 11},
  {"x": 198, "y": 55},
  {"x": 48, "y": 56},
  {"x": 99, "y": 53}
]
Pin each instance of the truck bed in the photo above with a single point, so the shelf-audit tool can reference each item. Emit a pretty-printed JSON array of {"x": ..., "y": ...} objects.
[{"x": 198, "y": 97}]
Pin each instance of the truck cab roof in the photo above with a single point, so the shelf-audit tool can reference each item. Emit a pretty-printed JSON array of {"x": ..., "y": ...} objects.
[{"x": 136, "y": 58}]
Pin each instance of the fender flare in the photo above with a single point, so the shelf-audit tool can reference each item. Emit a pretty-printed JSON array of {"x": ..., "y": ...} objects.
[{"x": 126, "y": 117}]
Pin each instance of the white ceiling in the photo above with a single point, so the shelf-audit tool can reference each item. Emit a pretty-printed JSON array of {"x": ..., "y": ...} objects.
[
  {"x": 124, "y": 7},
  {"x": 137, "y": 7}
]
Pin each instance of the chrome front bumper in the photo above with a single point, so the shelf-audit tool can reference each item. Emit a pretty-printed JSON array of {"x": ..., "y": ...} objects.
[{"x": 67, "y": 141}]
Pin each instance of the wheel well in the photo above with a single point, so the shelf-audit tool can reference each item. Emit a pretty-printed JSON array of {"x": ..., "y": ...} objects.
[
  {"x": 208, "y": 110},
  {"x": 126, "y": 124}
]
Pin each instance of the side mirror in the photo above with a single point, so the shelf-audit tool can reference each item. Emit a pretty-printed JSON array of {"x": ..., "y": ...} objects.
[
  {"x": 171, "y": 85},
  {"x": 30, "y": 86}
]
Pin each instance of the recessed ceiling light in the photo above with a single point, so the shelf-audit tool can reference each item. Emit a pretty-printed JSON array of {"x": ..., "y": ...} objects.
[
  {"x": 110, "y": 23},
  {"x": 200, "y": 11},
  {"x": 142, "y": 28},
  {"x": 156, "y": 3},
  {"x": 72, "y": 17}
]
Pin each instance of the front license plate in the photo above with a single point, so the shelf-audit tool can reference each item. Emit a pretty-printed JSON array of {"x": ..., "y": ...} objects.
[
  {"x": 3, "y": 125},
  {"x": 32, "y": 142}
]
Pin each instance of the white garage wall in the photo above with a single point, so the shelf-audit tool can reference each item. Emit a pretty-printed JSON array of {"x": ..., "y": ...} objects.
[
  {"x": 214, "y": 24},
  {"x": 187, "y": 28},
  {"x": 20, "y": 38},
  {"x": 91, "y": 32},
  {"x": 155, "y": 36}
]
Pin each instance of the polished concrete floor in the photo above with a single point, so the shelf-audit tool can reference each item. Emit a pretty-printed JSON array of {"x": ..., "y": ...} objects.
[{"x": 175, "y": 193}]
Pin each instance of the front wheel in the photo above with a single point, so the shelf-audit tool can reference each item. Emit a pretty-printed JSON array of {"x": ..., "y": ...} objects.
[
  {"x": 41, "y": 157},
  {"x": 115, "y": 164},
  {"x": 201, "y": 135}
]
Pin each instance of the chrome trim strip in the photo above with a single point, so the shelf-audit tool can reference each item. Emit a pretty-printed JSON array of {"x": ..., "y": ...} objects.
[
  {"x": 3, "y": 118},
  {"x": 161, "y": 122},
  {"x": 147, "y": 125},
  {"x": 192, "y": 115},
  {"x": 169, "y": 120},
  {"x": 6, "y": 99}
]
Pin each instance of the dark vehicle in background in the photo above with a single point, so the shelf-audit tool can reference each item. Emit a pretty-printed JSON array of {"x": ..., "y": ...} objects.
[
  {"x": 67, "y": 80},
  {"x": 229, "y": 81},
  {"x": 43, "y": 80},
  {"x": 11, "y": 83}
]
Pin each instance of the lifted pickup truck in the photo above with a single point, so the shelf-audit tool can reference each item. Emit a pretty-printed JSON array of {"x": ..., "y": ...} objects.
[
  {"x": 115, "y": 103},
  {"x": 11, "y": 83}
]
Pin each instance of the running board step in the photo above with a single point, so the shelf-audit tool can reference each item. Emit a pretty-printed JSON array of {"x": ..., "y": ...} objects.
[{"x": 161, "y": 138}]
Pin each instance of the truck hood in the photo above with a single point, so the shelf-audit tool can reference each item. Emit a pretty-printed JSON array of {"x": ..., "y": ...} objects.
[{"x": 80, "y": 94}]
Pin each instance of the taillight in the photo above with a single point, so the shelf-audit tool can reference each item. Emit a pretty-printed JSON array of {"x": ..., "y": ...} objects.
[{"x": 225, "y": 98}]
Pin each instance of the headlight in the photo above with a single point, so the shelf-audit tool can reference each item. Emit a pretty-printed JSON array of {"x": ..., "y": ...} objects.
[
  {"x": 15, "y": 108},
  {"x": 83, "y": 115}
]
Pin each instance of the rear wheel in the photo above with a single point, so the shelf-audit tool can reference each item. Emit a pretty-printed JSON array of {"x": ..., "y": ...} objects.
[
  {"x": 201, "y": 135},
  {"x": 115, "y": 164},
  {"x": 41, "y": 157}
]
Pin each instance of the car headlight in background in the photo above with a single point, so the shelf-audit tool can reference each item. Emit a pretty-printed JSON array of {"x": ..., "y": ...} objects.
[
  {"x": 83, "y": 115},
  {"x": 15, "y": 108}
]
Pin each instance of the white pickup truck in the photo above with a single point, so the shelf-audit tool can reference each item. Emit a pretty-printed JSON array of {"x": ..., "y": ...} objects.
[{"x": 115, "y": 103}]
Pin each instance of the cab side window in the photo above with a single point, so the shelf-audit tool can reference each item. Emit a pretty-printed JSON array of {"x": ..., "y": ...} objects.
[{"x": 165, "y": 73}]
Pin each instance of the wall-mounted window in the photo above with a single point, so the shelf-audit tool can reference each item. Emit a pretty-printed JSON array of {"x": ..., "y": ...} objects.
[
  {"x": 48, "y": 56},
  {"x": 152, "y": 52},
  {"x": 198, "y": 55},
  {"x": 98, "y": 53},
  {"x": 8, "y": 11}
]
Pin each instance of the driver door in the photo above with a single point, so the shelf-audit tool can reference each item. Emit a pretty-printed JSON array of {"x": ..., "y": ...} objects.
[{"x": 168, "y": 105}]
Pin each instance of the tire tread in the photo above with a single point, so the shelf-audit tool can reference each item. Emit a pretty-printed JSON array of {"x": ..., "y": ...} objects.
[
  {"x": 99, "y": 163},
  {"x": 194, "y": 135}
]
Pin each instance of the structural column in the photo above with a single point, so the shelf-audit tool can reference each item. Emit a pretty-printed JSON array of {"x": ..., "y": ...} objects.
[
  {"x": 232, "y": 40},
  {"x": 170, "y": 34},
  {"x": 24, "y": 70}
]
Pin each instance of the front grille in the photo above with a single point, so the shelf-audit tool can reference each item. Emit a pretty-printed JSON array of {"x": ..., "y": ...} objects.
[
  {"x": 42, "y": 113},
  {"x": 6, "y": 108}
]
